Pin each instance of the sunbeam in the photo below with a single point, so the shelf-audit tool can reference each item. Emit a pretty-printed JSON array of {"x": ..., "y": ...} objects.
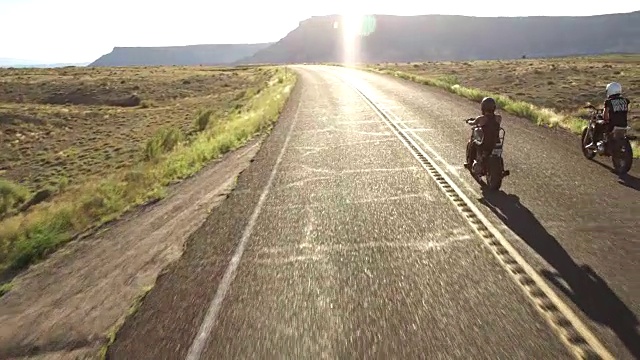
[{"x": 354, "y": 27}]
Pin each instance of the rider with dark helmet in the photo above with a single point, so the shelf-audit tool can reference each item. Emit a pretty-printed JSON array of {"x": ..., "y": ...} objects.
[
  {"x": 616, "y": 109},
  {"x": 489, "y": 121}
]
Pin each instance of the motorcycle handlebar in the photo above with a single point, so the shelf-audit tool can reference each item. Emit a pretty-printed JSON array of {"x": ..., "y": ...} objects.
[{"x": 593, "y": 108}]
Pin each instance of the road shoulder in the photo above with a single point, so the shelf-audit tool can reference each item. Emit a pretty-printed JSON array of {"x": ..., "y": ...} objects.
[{"x": 66, "y": 305}]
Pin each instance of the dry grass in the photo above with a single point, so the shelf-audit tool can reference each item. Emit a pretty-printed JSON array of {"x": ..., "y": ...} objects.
[
  {"x": 86, "y": 144},
  {"x": 45, "y": 145},
  {"x": 560, "y": 84},
  {"x": 549, "y": 92}
]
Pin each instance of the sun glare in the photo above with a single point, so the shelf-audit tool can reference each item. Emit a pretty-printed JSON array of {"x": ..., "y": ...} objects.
[
  {"x": 354, "y": 26},
  {"x": 350, "y": 25}
]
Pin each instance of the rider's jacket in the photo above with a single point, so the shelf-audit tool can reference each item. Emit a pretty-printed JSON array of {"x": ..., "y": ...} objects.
[{"x": 618, "y": 109}]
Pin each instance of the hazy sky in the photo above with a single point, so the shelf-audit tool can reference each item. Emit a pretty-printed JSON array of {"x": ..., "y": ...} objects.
[{"x": 83, "y": 30}]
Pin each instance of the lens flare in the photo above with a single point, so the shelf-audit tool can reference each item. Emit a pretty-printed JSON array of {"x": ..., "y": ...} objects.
[{"x": 354, "y": 27}]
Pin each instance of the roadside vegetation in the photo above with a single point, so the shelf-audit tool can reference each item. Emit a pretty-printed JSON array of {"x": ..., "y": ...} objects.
[
  {"x": 549, "y": 92},
  {"x": 81, "y": 146}
]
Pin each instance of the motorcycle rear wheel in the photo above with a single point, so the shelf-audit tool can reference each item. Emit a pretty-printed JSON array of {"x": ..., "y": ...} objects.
[
  {"x": 622, "y": 158},
  {"x": 494, "y": 173}
]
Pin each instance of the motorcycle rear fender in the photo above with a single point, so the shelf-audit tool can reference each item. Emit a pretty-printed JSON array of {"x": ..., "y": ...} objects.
[{"x": 497, "y": 160}]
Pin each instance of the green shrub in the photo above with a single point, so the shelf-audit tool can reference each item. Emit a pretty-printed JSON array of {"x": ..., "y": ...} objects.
[
  {"x": 162, "y": 142},
  {"x": 203, "y": 119},
  {"x": 12, "y": 195}
]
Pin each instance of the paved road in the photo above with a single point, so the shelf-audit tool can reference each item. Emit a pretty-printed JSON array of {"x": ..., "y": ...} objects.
[
  {"x": 577, "y": 223},
  {"x": 342, "y": 246}
]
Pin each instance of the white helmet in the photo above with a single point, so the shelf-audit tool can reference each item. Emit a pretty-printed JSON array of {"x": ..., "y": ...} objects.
[{"x": 614, "y": 89}]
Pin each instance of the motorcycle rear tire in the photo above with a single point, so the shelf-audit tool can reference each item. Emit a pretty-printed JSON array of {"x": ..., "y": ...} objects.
[
  {"x": 494, "y": 173},
  {"x": 622, "y": 158}
]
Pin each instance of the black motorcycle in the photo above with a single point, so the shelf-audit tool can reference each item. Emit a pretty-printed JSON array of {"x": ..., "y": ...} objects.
[
  {"x": 491, "y": 165},
  {"x": 616, "y": 144}
]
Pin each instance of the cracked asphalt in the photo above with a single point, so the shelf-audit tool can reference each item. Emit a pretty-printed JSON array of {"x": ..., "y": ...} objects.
[{"x": 355, "y": 252}]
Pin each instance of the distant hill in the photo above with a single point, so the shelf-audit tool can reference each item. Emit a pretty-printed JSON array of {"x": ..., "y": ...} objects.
[
  {"x": 20, "y": 63},
  {"x": 452, "y": 37},
  {"x": 178, "y": 55}
]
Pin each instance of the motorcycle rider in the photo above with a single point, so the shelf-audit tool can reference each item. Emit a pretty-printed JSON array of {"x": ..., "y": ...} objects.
[
  {"x": 616, "y": 108},
  {"x": 489, "y": 121}
]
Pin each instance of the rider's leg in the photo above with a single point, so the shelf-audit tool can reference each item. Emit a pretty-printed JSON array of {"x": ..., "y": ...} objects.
[
  {"x": 597, "y": 134},
  {"x": 471, "y": 153},
  {"x": 608, "y": 129},
  {"x": 486, "y": 149},
  {"x": 606, "y": 133}
]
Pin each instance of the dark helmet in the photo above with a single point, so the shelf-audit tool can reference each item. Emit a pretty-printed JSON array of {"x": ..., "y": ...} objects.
[{"x": 488, "y": 104}]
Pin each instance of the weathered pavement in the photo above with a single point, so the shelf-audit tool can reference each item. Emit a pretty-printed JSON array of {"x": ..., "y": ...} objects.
[
  {"x": 351, "y": 250},
  {"x": 575, "y": 222}
]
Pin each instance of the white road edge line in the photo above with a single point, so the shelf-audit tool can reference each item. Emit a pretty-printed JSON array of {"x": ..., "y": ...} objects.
[
  {"x": 564, "y": 308},
  {"x": 195, "y": 351}
]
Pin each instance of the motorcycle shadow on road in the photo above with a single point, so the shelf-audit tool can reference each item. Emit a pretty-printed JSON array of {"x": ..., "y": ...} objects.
[
  {"x": 579, "y": 282},
  {"x": 627, "y": 180}
]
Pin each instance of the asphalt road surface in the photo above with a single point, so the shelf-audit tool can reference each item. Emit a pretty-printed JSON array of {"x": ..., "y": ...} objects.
[{"x": 337, "y": 243}]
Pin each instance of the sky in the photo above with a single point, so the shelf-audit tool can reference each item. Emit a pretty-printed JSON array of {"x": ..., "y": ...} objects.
[{"x": 52, "y": 31}]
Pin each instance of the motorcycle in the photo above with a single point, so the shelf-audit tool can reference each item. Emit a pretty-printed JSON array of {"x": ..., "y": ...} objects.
[
  {"x": 491, "y": 165},
  {"x": 617, "y": 145}
]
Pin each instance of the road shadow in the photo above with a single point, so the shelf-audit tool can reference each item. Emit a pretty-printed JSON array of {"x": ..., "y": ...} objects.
[
  {"x": 627, "y": 180},
  {"x": 579, "y": 282}
]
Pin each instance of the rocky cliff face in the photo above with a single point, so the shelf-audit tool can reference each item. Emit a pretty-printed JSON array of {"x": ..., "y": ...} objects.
[
  {"x": 448, "y": 37},
  {"x": 178, "y": 55}
]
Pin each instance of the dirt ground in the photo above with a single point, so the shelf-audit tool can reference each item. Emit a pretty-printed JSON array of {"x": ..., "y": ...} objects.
[
  {"x": 64, "y": 126},
  {"x": 63, "y": 307},
  {"x": 562, "y": 84}
]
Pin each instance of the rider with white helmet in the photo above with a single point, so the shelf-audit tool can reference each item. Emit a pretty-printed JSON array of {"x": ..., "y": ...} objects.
[{"x": 616, "y": 108}]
